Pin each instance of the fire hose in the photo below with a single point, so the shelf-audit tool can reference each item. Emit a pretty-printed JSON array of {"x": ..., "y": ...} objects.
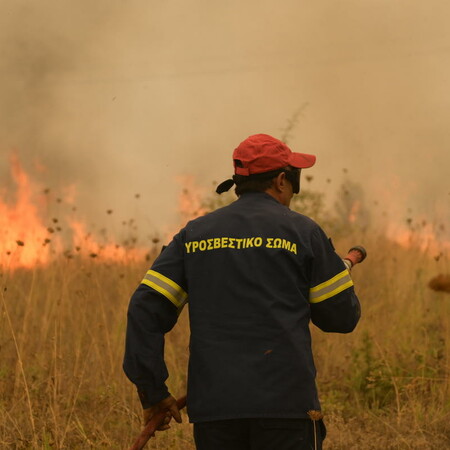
[{"x": 354, "y": 256}]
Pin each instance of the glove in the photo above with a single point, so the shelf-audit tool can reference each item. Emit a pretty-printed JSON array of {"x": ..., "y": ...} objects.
[{"x": 169, "y": 404}]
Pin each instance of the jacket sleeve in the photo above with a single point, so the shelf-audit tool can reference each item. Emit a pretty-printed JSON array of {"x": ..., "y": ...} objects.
[
  {"x": 153, "y": 311},
  {"x": 334, "y": 304}
]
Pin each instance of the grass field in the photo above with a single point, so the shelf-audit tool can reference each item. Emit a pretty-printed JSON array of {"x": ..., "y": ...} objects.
[{"x": 385, "y": 386}]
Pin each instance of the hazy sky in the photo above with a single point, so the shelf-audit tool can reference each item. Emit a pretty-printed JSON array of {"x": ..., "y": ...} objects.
[{"x": 120, "y": 97}]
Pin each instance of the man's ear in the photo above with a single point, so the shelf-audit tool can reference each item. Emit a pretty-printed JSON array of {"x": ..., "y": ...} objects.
[{"x": 280, "y": 182}]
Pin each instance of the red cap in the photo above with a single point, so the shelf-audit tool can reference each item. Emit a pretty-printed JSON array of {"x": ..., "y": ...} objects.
[{"x": 263, "y": 153}]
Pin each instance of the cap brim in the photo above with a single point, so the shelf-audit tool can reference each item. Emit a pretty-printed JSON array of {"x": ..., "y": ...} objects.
[
  {"x": 301, "y": 160},
  {"x": 225, "y": 186}
]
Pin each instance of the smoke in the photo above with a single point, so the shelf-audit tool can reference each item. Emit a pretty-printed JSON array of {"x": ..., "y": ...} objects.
[
  {"x": 120, "y": 97},
  {"x": 56, "y": 96},
  {"x": 40, "y": 45}
]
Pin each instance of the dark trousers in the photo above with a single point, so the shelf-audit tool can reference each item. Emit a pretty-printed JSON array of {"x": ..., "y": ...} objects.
[{"x": 259, "y": 434}]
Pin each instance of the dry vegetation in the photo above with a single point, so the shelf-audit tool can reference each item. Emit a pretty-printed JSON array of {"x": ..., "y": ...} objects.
[{"x": 386, "y": 386}]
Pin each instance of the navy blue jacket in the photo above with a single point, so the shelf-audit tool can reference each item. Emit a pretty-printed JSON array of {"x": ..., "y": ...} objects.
[{"x": 255, "y": 274}]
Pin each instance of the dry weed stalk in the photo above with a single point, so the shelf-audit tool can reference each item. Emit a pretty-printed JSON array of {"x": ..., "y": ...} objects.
[
  {"x": 315, "y": 416},
  {"x": 64, "y": 333},
  {"x": 20, "y": 365}
]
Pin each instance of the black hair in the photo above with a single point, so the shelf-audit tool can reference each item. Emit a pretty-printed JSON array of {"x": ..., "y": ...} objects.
[
  {"x": 260, "y": 182},
  {"x": 249, "y": 184}
]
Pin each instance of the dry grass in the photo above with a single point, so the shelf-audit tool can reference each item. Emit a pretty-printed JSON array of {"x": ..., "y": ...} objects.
[{"x": 386, "y": 386}]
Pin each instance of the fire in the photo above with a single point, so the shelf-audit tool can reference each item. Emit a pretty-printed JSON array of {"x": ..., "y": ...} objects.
[
  {"x": 31, "y": 237},
  {"x": 23, "y": 242},
  {"x": 86, "y": 244},
  {"x": 426, "y": 238},
  {"x": 27, "y": 241},
  {"x": 191, "y": 199},
  {"x": 354, "y": 211}
]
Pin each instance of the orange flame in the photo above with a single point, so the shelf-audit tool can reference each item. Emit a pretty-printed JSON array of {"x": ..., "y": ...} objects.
[
  {"x": 426, "y": 238},
  {"x": 87, "y": 245},
  {"x": 354, "y": 211},
  {"x": 23, "y": 234},
  {"x": 190, "y": 201},
  {"x": 27, "y": 242}
]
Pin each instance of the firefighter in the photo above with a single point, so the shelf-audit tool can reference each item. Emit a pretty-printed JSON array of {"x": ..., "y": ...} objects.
[{"x": 255, "y": 274}]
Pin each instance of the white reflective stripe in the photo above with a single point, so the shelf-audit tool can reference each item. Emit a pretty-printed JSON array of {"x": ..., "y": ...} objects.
[
  {"x": 166, "y": 287},
  {"x": 331, "y": 287}
]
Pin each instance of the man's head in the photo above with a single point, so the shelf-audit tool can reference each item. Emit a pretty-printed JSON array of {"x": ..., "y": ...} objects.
[{"x": 263, "y": 163}]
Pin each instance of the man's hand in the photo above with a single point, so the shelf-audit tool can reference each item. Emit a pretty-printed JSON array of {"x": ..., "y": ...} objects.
[{"x": 169, "y": 404}]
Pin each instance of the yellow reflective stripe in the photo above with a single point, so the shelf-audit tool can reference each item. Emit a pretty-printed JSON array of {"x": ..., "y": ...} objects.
[
  {"x": 165, "y": 286},
  {"x": 331, "y": 287},
  {"x": 323, "y": 297},
  {"x": 330, "y": 281},
  {"x": 162, "y": 291}
]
